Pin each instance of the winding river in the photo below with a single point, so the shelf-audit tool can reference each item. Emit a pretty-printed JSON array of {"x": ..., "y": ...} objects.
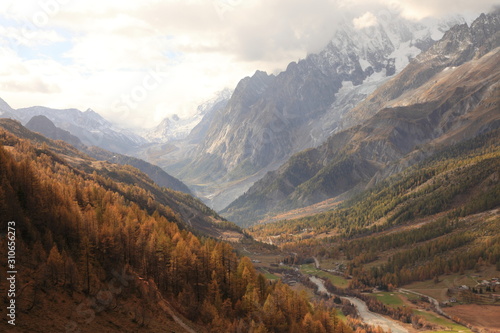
[{"x": 365, "y": 315}]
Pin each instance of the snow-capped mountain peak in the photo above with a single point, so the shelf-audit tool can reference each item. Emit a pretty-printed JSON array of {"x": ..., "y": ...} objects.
[
  {"x": 175, "y": 127},
  {"x": 90, "y": 127},
  {"x": 388, "y": 46}
]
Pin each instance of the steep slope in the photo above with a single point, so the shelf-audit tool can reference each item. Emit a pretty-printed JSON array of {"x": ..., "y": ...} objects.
[
  {"x": 459, "y": 45},
  {"x": 177, "y": 154},
  {"x": 189, "y": 212},
  {"x": 271, "y": 117},
  {"x": 5, "y": 110},
  {"x": 156, "y": 173},
  {"x": 209, "y": 109},
  {"x": 430, "y": 105},
  {"x": 462, "y": 178},
  {"x": 43, "y": 125},
  {"x": 96, "y": 250}
]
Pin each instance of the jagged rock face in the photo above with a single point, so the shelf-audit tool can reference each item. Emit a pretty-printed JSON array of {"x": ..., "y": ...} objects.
[
  {"x": 459, "y": 45},
  {"x": 199, "y": 132},
  {"x": 268, "y": 117},
  {"x": 265, "y": 113},
  {"x": 447, "y": 94}
]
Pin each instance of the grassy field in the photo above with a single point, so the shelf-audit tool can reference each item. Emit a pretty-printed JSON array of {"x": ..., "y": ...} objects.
[
  {"x": 286, "y": 267},
  {"x": 445, "y": 281},
  {"x": 411, "y": 296},
  {"x": 267, "y": 274},
  {"x": 394, "y": 299},
  {"x": 341, "y": 315},
  {"x": 450, "y": 326},
  {"x": 438, "y": 290},
  {"x": 270, "y": 276},
  {"x": 336, "y": 280},
  {"x": 389, "y": 298}
]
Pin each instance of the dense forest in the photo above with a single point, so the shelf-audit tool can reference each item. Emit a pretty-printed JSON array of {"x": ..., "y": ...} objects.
[
  {"x": 79, "y": 220},
  {"x": 433, "y": 186},
  {"x": 435, "y": 218}
]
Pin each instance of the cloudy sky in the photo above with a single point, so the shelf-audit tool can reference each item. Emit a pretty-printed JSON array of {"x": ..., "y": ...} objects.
[{"x": 135, "y": 62}]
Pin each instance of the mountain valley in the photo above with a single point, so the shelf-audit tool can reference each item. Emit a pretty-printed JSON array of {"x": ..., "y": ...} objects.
[
  {"x": 445, "y": 104},
  {"x": 270, "y": 117},
  {"x": 356, "y": 191}
]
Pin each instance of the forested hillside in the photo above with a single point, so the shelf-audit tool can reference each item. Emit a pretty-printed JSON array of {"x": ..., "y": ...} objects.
[
  {"x": 190, "y": 212},
  {"x": 46, "y": 127},
  {"x": 78, "y": 222},
  {"x": 156, "y": 173},
  {"x": 438, "y": 217}
]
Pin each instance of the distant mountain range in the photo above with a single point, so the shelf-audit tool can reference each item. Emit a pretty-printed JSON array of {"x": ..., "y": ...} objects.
[
  {"x": 88, "y": 126},
  {"x": 445, "y": 95},
  {"x": 374, "y": 101},
  {"x": 82, "y": 124},
  {"x": 270, "y": 117},
  {"x": 93, "y": 130},
  {"x": 43, "y": 125},
  {"x": 174, "y": 127},
  {"x": 101, "y": 139}
]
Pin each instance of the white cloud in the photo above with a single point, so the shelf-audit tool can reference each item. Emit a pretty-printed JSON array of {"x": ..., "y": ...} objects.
[
  {"x": 24, "y": 36},
  {"x": 418, "y": 9},
  {"x": 365, "y": 21},
  {"x": 112, "y": 46},
  {"x": 33, "y": 85}
]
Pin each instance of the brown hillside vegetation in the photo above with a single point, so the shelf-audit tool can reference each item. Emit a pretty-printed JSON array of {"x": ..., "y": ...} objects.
[
  {"x": 97, "y": 251},
  {"x": 481, "y": 316},
  {"x": 440, "y": 217}
]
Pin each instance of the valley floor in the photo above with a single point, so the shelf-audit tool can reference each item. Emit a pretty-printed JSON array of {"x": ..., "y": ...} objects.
[{"x": 479, "y": 317}]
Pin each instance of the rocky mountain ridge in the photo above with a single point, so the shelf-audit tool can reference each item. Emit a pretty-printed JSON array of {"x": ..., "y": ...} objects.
[
  {"x": 91, "y": 128},
  {"x": 44, "y": 126},
  {"x": 270, "y": 117},
  {"x": 447, "y": 94}
]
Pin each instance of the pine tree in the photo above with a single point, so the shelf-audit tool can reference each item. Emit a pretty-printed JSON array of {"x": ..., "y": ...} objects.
[{"x": 55, "y": 265}]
